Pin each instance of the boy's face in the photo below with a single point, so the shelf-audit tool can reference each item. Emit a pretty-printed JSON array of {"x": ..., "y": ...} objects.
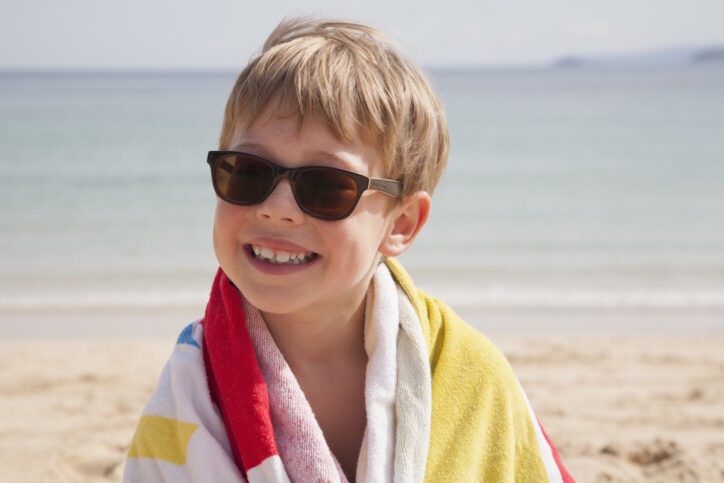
[{"x": 340, "y": 256}]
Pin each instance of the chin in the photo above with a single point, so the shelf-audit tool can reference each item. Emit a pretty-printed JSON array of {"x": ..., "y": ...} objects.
[{"x": 269, "y": 301}]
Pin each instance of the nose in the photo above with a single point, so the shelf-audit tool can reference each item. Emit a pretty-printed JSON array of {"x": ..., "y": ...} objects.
[{"x": 280, "y": 206}]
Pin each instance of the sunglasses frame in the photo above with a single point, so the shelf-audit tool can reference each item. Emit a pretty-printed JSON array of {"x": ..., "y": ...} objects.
[{"x": 390, "y": 187}]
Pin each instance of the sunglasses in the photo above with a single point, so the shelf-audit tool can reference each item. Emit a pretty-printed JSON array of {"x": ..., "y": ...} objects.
[{"x": 320, "y": 191}]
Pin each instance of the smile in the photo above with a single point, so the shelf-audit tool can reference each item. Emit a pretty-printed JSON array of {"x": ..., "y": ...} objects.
[{"x": 281, "y": 257}]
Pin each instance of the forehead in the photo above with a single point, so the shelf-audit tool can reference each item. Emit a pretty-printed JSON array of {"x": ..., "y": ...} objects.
[{"x": 289, "y": 139}]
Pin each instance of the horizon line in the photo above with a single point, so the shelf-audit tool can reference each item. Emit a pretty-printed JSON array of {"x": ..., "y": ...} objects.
[
  {"x": 232, "y": 70},
  {"x": 591, "y": 60}
]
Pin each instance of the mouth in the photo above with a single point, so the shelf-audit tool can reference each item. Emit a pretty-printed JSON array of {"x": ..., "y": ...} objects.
[{"x": 281, "y": 257}]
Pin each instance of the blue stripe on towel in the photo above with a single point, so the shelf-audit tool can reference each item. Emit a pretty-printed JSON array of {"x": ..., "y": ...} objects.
[{"x": 186, "y": 338}]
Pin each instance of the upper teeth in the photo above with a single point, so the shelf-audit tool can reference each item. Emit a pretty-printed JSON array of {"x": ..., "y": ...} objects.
[{"x": 280, "y": 256}]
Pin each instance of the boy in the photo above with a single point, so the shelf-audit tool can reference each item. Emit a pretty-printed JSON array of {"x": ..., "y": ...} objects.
[{"x": 317, "y": 358}]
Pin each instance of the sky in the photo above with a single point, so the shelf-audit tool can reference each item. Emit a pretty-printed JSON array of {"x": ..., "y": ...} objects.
[{"x": 224, "y": 34}]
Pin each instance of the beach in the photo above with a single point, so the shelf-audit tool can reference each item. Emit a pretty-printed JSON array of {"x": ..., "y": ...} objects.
[
  {"x": 578, "y": 225},
  {"x": 620, "y": 407}
]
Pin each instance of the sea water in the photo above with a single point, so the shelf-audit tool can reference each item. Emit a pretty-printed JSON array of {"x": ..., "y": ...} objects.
[{"x": 564, "y": 188}]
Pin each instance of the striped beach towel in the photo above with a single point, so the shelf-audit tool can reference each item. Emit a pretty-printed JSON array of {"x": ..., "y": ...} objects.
[{"x": 442, "y": 403}]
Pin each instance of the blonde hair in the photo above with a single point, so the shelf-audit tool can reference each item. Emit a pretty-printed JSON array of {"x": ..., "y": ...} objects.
[{"x": 353, "y": 79}]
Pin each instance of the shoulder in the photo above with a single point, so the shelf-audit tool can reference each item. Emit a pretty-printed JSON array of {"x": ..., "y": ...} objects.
[
  {"x": 482, "y": 427},
  {"x": 180, "y": 427},
  {"x": 463, "y": 354},
  {"x": 450, "y": 340},
  {"x": 183, "y": 376}
]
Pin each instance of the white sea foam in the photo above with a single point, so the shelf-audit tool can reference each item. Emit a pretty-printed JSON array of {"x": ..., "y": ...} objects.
[
  {"x": 99, "y": 300},
  {"x": 460, "y": 297},
  {"x": 568, "y": 298}
]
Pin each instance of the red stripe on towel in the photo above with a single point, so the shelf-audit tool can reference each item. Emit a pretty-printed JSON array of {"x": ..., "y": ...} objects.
[
  {"x": 235, "y": 380},
  {"x": 567, "y": 478}
]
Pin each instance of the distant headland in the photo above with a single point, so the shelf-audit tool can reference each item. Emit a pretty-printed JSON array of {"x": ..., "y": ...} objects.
[{"x": 670, "y": 56}]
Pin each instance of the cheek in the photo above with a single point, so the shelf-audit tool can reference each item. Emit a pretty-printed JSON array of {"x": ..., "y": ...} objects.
[
  {"x": 219, "y": 223},
  {"x": 227, "y": 220},
  {"x": 359, "y": 247},
  {"x": 218, "y": 234}
]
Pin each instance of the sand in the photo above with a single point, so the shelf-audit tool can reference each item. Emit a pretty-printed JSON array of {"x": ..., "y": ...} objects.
[{"x": 635, "y": 408}]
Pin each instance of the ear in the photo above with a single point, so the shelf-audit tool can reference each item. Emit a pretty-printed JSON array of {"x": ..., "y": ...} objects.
[{"x": 408, "y": 218}]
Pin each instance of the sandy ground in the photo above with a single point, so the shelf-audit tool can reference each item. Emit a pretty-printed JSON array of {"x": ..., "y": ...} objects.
[
  {"x": 629, "y": 408},
  {"x": 636, "y": 408}
]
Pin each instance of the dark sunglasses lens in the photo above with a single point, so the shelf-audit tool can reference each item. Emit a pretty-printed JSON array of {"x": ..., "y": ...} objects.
[
  {"x": 326, "y": 193},
  {"x": 243, "y": 179}
]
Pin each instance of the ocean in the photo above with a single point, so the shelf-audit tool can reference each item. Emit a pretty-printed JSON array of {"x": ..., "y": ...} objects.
[{"x": 566, "y": 188}]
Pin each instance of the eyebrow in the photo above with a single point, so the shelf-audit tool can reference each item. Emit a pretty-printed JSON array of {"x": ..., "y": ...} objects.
[
  {"x": 335, "y": 159},
  {"x": 246, "y": 144},
  {"x": 316, "y": 155}
]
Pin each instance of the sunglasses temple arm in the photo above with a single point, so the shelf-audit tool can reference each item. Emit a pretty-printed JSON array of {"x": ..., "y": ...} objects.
[{"x": 389, "y": 186}]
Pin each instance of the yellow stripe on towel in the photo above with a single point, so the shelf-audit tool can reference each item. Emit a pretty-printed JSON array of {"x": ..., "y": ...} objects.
[
  {"x": 480, "y": 429},
  {"x": 162, "y": 439}
]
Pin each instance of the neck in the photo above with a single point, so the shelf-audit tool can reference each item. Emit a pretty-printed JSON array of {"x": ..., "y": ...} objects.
[{"x": 321, "y": 342}]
